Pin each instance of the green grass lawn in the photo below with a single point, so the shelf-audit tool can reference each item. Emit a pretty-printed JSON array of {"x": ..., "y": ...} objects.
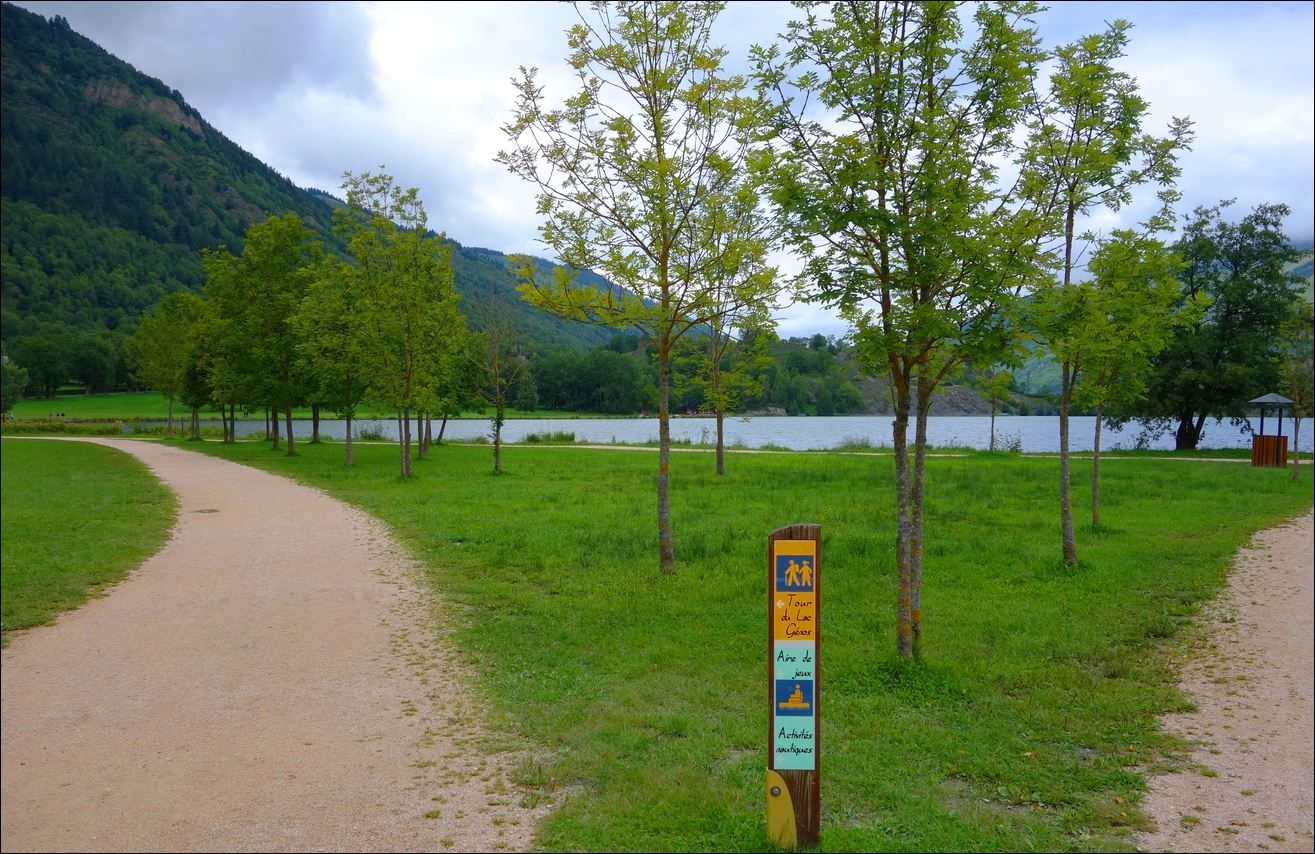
[
  {"x": 77, "y": 518},
  {"x": 1028, "y": 725},
  {"x": 150, "y": 405}
]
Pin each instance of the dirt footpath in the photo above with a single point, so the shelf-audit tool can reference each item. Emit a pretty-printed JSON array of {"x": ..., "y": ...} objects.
[
  {"x": 1248, "y": 785},
  {"x": 270, "y": 680}
]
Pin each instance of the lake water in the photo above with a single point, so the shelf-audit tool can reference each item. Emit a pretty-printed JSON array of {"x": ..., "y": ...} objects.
[{"x": 1035, "y": 433}]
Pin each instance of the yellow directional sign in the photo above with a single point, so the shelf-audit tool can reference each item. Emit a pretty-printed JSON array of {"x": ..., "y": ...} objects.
[{"x": 793, "y": 772}]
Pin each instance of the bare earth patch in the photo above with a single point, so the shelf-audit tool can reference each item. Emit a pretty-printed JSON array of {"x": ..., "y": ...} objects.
[
  {"x": 1247, "y": 786},
  {"x": 271, "y": 680}
]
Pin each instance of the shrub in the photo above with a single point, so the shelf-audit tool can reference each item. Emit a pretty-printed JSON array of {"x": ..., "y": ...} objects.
[
  {"x": 556, "y": 437},
  {"x": 372, "y": 431}
]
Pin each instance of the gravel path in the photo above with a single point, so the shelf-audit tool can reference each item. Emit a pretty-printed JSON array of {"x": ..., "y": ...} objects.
[
  {"x": 271, "y": 680},
  {"x": 1248, "y": 785}
]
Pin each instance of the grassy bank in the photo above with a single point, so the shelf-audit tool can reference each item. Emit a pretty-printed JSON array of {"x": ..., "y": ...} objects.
[
  {"x": 151, "y": 406},
  {"x": 1027, "y": 727},
  {"x": 77, "y": 518}
]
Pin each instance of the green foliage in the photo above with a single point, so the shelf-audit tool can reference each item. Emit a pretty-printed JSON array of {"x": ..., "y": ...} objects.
[
  {"x": 1297, "y": 365},
  {"x": 411, "y": 332},
  {"x": 904, "y": 212},
  {"x": 163, "y": 345},
  {"x": 1002, "y": 740},
  {"x": 78, "y": 518},
  {"x": 1128, "y": 318},
  {"x": 1235, "y": 292},
  {"x": 13, "y": 381},
  {"x": 1087, "y": 148},
  {"x": 600, "y": 380},
  {"x": 330, "y": 334},
  {"x": 550, "y": 437},
  {"x": 806, "y": 380}
]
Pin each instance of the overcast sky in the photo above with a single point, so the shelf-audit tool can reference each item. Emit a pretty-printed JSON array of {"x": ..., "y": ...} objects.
[{"x": 314, "y": 89}]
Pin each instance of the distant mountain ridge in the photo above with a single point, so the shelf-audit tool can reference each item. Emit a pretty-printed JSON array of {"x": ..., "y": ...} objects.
[{"x": 111, "y": 184}]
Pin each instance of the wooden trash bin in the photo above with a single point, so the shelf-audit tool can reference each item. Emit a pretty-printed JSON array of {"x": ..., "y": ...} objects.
[{"x": 1269, "y": 451}]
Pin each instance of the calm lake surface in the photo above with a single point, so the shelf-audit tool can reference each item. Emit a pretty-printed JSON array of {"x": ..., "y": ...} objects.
[{"x": 1035, "y": 433}]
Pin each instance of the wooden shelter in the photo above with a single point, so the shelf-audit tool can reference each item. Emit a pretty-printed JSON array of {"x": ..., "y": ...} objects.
[{"x": 1270, "y": 451}]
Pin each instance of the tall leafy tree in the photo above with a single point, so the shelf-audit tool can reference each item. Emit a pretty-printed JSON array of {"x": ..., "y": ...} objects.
[
  {"x": 499, "y": 363},
  {"x": 234, "y": 379},
  {"x": 742, "y": 288},
  {"x": 331, "y": 340},
  {"x": 163, "y": 344},
  {"x": 1126, "y": 319},
  {"x": 1088, "y": 148},
  {"x": 47, "y": 356},
  {"x": 998, "y": 384},
  {"x": 258, "y": 293},
  {"x": 894, "y": 196},
  {"x": 215, "y": 361},
  {"x": 630, "y": 171},
  {"x": 725, "y": 368},
  {"x": 13, "y": 381},
  {"x": 408, "y": 301},
  {"x": 1235, "y": 286}
]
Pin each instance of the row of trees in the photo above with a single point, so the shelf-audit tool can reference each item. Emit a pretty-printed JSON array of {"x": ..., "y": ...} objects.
[
  {"x": 284, "y": 324},
  {"x": 932, "y": 182}
]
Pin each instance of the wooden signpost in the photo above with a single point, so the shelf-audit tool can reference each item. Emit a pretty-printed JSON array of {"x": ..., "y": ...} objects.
[{"x": 794, "y": 558}]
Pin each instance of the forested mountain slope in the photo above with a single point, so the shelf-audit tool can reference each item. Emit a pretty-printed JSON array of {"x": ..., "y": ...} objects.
[{"x": 111, "y": 184}]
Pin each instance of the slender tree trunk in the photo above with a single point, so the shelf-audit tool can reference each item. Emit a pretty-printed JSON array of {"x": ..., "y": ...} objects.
[
  {"x": 497, "y": 439},
  {"x": 429, "y": 432},
  {"x": 1296, "y": 443},
  {"x": 267, "y": 430},
  {"x": 993, "y": 408},
  {"x": 917, "y": 514},
  {"x": 292, "y": 450},
  {"x": 721, "y": 442},
  {"x": 401, "y": 446},
  {"x": 903, "y": 528},
  {"x": 196, "y": 422},
  {"x": 406, "y": 426},
  {"x": 442, "y": 428},
  {"x": 666, "y": 545},
  {"x": 350, "y": 459},
  {"x": 404, "y": 439},
  {"x": 314, "y": 423},
  {"x": 274, "y": 422},
  {"x": 420, "y": 435},
  {"x": 169, "y": 428},
  {"x": 1065, "y": 481},
  {"x": 1095, "y": 471}
]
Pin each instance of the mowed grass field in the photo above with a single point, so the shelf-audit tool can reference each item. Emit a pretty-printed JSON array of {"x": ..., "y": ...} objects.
[
  {"x": 150, "y": 405},
  {"x": 76, "y": 518},
  {"x": 1030, "y": 724}
]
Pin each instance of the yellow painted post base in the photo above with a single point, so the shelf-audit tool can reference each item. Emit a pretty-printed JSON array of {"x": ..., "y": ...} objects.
[{"x": 781, "y": 828}]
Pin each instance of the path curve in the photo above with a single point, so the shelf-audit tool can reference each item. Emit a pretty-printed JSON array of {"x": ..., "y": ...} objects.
[
  {"x": 1253, "y": 688},
  {"x": 270, "y": 680}
]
